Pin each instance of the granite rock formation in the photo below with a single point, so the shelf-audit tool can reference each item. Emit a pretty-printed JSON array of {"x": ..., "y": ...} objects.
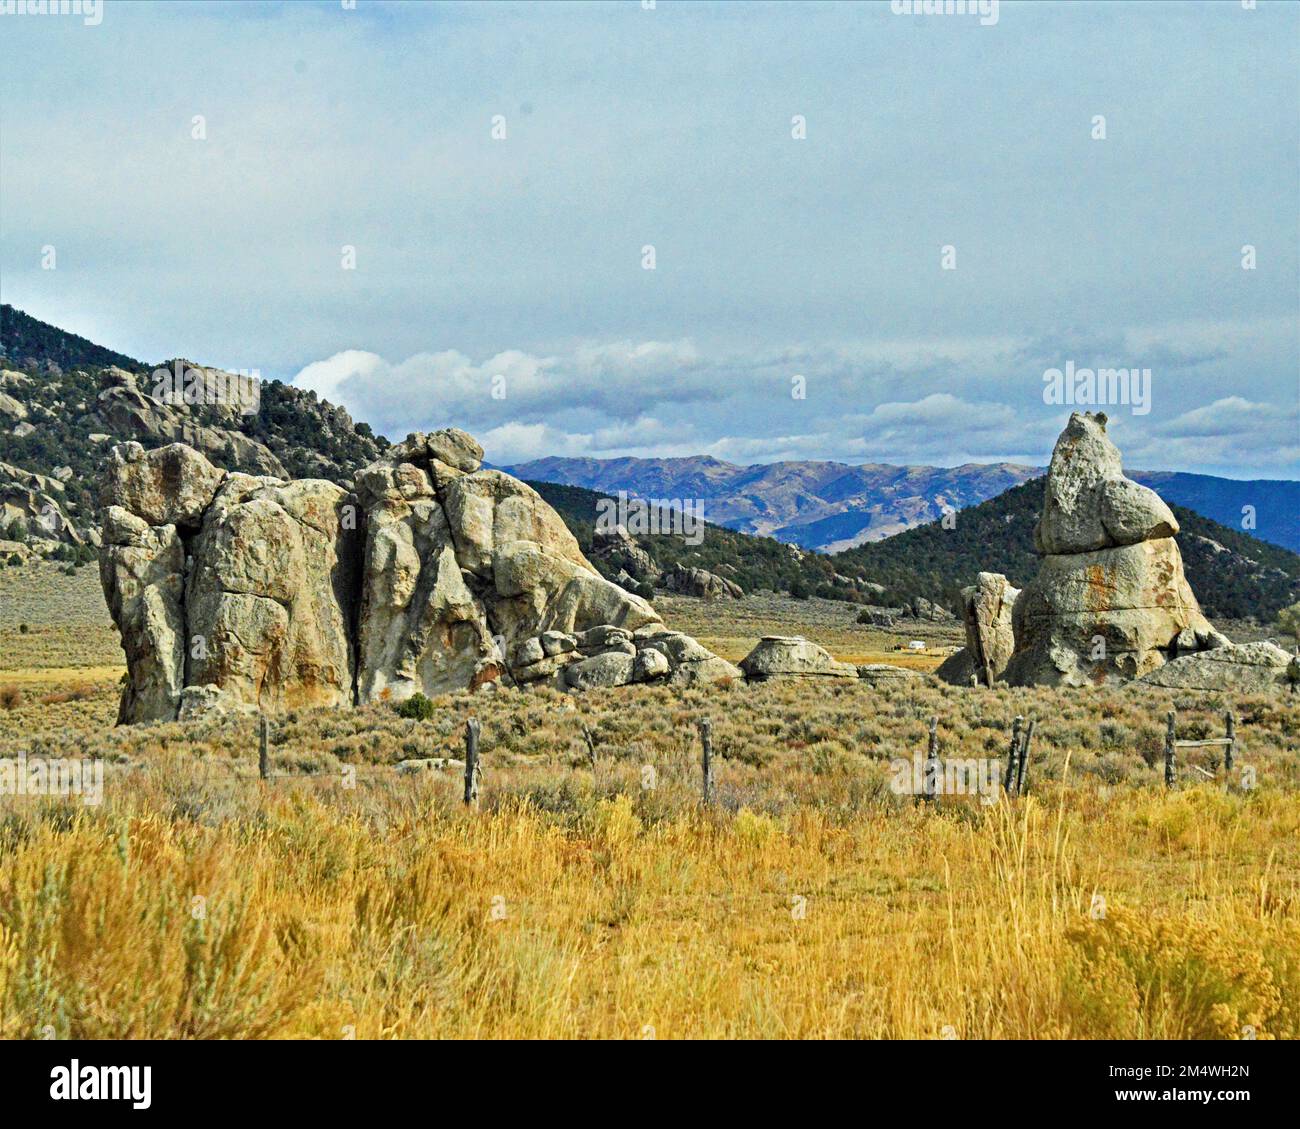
[
  {"x": 792, "y": 656},
  {"x": 235, "y": 591},
  {"x": 1110, "y": 602},
  {"x": 986, "y": 608}
]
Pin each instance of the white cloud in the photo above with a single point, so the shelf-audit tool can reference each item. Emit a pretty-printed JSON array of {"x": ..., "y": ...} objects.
[{"x": 974, "y": 400}]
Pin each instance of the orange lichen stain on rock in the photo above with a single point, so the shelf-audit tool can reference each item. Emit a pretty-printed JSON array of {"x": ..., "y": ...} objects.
[
  {"x": 490, "y": 672},
  {"x": 1099, "y": 588}
]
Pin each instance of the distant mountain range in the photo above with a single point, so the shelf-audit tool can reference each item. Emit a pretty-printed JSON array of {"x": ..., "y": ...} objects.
[{"x": 832, "y": 506}]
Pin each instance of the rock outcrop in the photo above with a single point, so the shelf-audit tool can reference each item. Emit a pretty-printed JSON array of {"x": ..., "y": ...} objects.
[
  {"x": 36, "y": 501},
  {"x": 792, "y": 656},
  {"x": 1110, "y": 602},
  {"x": 700, "y": 582},
  {"x": 618, "y": 548},
  {"x": 128, "y": 411},
  {"x": 927, "y": 611},
  {"x": 990, "y": 637},
  {"x": 234, "y": 591}
]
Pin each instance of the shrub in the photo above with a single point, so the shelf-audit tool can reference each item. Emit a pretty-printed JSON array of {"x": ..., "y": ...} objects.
[
  {"x": 10, "y": 697},
  {"x": 416, "y": 708}
]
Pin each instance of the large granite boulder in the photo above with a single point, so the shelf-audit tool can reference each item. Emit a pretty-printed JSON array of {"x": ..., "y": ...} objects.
[
  {"x": 1110, "y": 602},
  {"x": 886, "y": 674},
  {"x": 142, "y": 570},
  {"x": 242, "y": 592},
  {"x": 269, "y": 598},
  {"x": 1243, "y": 667},
  {"x": 792, "y": 656},
  {"x": 986, "y": 608},
  {"x": 1088, "y": 503}
]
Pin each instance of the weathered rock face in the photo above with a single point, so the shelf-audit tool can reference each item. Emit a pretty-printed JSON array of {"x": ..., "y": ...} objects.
[
  {"x": 230, "y": 591},
  {"x": 778, "y": 656},
  {"x": 235, "y": 591},
  {"x": 1089, "y": 504},
  {"x": 1110, "y": 602},
  {"x": 990, "y": 637},
  {"x": 142, "y": 569},
  {"x": 268, "y": 599}
]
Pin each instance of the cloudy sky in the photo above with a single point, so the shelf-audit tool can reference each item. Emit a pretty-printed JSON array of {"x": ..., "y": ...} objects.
[{"x": 499, "y": 170}]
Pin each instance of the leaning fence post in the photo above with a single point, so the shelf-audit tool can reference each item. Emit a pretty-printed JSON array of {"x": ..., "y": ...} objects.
[
  {"x": 1170, "y": 730},
  {"x": 1013, "y": 752},
  {"x": 471, "y": 762},
  {"x": 1022, "y": 770},
  {"x": 1230, "y": 722},
  {"x": 706, "y": 759},
  {"x": 931, "y": 786},
  {"x": 263, "y": 760}
]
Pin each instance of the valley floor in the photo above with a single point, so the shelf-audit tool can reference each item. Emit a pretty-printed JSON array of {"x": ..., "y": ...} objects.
[{"x": 346, "y": 896}]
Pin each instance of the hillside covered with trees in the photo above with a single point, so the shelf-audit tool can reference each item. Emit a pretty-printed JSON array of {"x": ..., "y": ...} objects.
[{"x": 1234, "y": 575}]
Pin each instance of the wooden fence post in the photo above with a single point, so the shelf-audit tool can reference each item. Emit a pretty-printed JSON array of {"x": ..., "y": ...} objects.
[
  {"x": 1013, "y": 752},
  {"x": 591, "y": 751},
  {"x": 263, "y": 760},
  {"x": 1022, "y": 770},
  {"x": 1170, "y": 730},
  {"x": 706, "y": 759},
  {"x": 472, "y": 730},
  {"x": 1230, "y": 723},
  {"x": 930, "y": 787}
]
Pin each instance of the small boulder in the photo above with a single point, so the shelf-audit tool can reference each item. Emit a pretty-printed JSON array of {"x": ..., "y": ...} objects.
[
  {"x": 778, "y": 656},
  {"x": 647, "y": 664},
  {"x": 614, "y": 668},
  {"x": 882, "y": 674}
]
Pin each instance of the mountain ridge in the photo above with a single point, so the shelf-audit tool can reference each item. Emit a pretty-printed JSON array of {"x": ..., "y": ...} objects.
[
  {"x": 832, "y": 506},
  {"x": 77, "y": 396}
]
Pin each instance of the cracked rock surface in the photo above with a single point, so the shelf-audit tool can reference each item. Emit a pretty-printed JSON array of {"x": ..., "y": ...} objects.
[{"x": 233, "y": 591}]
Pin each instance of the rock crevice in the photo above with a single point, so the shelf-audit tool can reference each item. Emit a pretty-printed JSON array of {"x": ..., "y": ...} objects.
[{"x": 234, "y": 591}]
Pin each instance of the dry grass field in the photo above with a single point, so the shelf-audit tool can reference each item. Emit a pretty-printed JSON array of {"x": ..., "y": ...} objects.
[{"x": 346, "y": 897}]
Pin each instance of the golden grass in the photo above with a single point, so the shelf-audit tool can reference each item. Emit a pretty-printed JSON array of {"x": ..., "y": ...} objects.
[
  {"x": 388, "y": 912},
  {"x": 810, "y": 901}
]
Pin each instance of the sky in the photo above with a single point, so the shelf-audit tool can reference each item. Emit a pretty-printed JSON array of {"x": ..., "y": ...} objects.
[{"x": 805, "y": 173}]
